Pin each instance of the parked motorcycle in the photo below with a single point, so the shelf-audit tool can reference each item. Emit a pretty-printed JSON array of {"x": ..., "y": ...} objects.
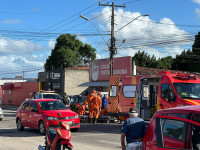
[{"x": 58, "y": 139}]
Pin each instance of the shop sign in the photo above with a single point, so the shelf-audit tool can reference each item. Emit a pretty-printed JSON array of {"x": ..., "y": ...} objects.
[{"x": 100, "y": 69}]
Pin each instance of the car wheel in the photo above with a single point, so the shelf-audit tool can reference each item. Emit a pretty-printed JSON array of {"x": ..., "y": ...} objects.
[
  {"x": 1, "y": 119},
  {"x": 74, "y": 129},
  {"x": 20, "y": 127},
  {"x": 41, "y": 127}
]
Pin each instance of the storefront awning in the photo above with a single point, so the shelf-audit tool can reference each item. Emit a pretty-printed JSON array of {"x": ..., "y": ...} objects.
[
  {"x": 98, "y": 83},
  {"x": 103, "y": 83},
  {"x": 8, "y": 86}
]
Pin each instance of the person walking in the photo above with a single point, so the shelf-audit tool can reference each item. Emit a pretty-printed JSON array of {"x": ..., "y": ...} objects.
[
  {"x": 96, "y": 106},
  {"x": 133, "y": 130}
]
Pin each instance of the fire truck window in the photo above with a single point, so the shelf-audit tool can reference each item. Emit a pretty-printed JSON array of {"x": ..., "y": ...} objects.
[
  {"x": 167, "y": 93},
  {"x": 173, "y": 129},
  {"x": 145, "y": 91},
  {"x": 113, "y": 91},
  {"x": 129, "y": 91}
]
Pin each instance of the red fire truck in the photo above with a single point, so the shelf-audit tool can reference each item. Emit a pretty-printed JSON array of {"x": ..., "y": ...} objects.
[{"x": 151, "y": 93}]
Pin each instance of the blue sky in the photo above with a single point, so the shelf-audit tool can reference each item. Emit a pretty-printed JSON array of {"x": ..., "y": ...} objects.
[{"x": 28, "y": 29}]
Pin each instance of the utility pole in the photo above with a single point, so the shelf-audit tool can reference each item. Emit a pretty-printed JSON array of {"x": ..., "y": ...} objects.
[{"x": 112, "y": 40}]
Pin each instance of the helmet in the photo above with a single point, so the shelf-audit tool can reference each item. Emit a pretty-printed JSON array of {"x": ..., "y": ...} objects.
[{"x": 94, "y": 92}]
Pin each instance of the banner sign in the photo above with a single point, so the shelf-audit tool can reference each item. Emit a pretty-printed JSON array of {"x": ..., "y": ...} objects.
[{"x": 100, "y": 68}]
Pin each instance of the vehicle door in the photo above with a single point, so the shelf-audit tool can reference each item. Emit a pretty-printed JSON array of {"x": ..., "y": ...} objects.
[
  {"x": 172, "y": 132},
  {"x": 23, "y": 113},
  {"x": 113, "y": 96},
  {"x": 34, "y": 116},
  {"x": 127, "y": 97},
  {"x": 167, "y": 97}
]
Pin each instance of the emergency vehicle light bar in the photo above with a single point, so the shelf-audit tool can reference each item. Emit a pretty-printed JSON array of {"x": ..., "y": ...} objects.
[
  {"x": 185, "y": 77},
  {"x": 179, "y": 75}
]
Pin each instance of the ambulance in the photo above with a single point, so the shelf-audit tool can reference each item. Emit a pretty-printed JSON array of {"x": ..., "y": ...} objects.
[{"x": 151, "y": 93}]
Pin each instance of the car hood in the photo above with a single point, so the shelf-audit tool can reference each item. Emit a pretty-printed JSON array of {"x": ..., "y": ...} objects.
[{"x": 64, "y": 113}]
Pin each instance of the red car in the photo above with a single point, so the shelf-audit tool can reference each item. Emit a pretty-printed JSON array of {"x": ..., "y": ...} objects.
[
  {"x": 175, "y": 128},
  {"x": 43, "y": 114}
]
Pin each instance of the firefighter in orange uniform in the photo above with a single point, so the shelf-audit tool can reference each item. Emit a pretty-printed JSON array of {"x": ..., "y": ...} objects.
[
  {"x": 96, "y": 106},
  {"x": 81, "y": 110},
  {"x": 89, "y": 101}
]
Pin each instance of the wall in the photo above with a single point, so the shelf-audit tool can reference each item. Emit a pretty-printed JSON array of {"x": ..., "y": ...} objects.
[
  {"x": 17, "y": 96},
  {"x": 73, "y": 78}
]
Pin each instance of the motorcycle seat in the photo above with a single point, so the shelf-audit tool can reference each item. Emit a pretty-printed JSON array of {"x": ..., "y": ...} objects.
[{"x": 52, "y": 133}]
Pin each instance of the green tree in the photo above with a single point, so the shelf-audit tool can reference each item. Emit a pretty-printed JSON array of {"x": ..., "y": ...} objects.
[
  {"x": 69, "y": 52},
  {"x": 195, "y": 65},
  {"x": 183, "y": 61},
  {"x": 141, "y": 59}
]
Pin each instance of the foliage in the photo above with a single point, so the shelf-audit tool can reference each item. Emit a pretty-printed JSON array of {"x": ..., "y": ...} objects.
[
  {"x": 69, "y": 52},
  {"x": 144, "y": 60}
]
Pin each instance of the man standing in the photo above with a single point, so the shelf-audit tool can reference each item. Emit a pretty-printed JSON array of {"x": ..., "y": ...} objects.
[
  {"x": 104, "y": 101},
  {"x": 90, "y": 105},
  {"x": 96, "y": 106},
  {"x": 66, "y": 100},
  {"x": 133, "y": 129}
]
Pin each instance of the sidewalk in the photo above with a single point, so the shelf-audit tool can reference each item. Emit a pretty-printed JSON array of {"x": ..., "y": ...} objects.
[{"x": 9, "y": 107}]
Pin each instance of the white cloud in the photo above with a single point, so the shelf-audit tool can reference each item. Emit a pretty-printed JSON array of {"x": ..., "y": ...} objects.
[
  {"x": 10, "y": 46},
  {"x": 12, "y": 21},
  {"x": 14, "y": 62},
  {"x": 144, "y": 34},
  {"x": 196, "y": 1},
  {"x": 197, "y": 10},
  {"x": 51, "y": 44}
]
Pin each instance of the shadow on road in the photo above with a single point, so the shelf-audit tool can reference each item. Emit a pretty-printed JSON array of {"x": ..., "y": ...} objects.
[
  {"x": 28, "y": 132},
  {"x": 100, "y": 127}
]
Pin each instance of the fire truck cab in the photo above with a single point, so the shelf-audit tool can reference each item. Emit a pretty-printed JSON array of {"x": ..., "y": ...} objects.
[{"x": 151, "y": 93}]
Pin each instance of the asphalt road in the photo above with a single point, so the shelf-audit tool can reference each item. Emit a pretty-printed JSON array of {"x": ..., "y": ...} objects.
[{"x": 89, "y": 137}]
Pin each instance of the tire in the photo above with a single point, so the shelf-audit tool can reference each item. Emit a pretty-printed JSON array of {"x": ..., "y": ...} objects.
[
  {"x": 20, "y": 127},
  {"x": 1, "y": 119},
  {"x": 41, "y": 127},
  {"x": 74, "y": 129}
]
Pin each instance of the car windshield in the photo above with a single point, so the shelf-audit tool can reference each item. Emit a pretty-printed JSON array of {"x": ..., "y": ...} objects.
[
  {"x": 52, "y": 96},
  {"x": 188, "y": 90},
  {"x": 52, "y": 105}
]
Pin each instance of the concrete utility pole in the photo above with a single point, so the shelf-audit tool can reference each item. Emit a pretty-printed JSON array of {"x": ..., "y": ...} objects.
[{"x": 112, "y": 40}]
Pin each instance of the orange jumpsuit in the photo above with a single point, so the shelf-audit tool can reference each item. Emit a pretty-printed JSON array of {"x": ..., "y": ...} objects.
[
  {"x": 96, "y": 105},
  {"x": 81, "y": 110},
  {"x": 89, "y": 101}
]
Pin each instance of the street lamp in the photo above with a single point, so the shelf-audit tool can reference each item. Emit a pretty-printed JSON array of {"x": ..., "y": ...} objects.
[
  {"x": 131, "y": 21},
  {"x": 95, "y": 27}
]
